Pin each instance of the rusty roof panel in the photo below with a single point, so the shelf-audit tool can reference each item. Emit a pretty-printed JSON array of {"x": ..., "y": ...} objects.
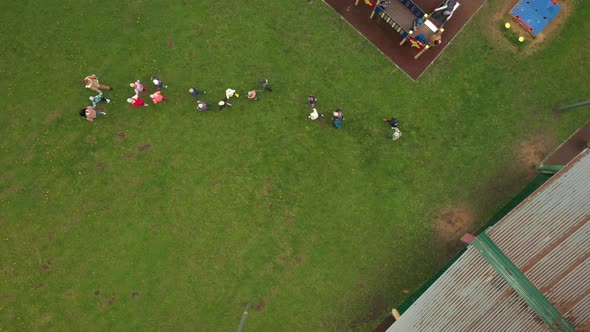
[
  {"x": 511, "y": 314},
  {"x": 484, "y": 302},
  {"x": 547, "y": 236}
]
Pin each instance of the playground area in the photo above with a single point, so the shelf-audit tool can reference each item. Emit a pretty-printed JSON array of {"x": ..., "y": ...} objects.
[{"x": 380, "y": 33}]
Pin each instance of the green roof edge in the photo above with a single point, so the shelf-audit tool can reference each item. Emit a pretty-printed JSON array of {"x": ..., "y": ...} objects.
[{"x": 521, "y": 284}]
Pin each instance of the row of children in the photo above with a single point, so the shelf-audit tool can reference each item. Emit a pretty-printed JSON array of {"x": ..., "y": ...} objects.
[
  {"x": 229, "y": 93},
  {"x": 138, "y": 88},
  {"x": 92, "y": 82},
  {"x": 196, "y": 93}
]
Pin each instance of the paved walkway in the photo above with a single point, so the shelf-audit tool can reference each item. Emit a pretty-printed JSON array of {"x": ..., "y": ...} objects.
[{"x": 570, "y": 148}]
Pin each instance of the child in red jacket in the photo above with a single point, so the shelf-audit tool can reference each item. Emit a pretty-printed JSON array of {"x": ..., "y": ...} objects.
[{"x": 136, "y": 101}]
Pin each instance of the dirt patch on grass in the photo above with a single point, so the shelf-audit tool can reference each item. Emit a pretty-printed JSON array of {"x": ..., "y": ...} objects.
[
  {"x": 43, "y": 320},
  {"x": 53, "y": 115},
  {"x": 502, "y": 15},
  {"x": 217, "y": 182},
  {"x": 91, "y": 139},
  {"x": 7, "y": 270},
  {"x": 12, "y": 189},
  {"x": 534, "y": 150},
  {"x": 450, "y": 225},
  {"x": 153, "y": 229},
  {"x": 134, "y": 295},
  {"x": 536, "y": 111},
  {"x": 39, "y": 285},
  {"x": 144, "y": 147},
  {"x": 260, "y": 305},
  {"x": 122, "y": 135},
  {"x": 6, "y": 176},
  {"x": 555, "y": 110},
  {"x": 105, "y": 303},
  {"x": 298, "y": 260},
  {"x": 97, "y": 292},
  {"x": 266, "y": 187},
  {"x": 88, "y": 206},
  {"x": 46, "y": 266},
  {"x": 101, "y": 166},
  {"x": 71, "y": 295},
  {"x": 289, "y": 218},
  {"x": 9, "y": 314},
  {"x": 74, "y": 315},
  {"x": 130, "y": 155},
  {"x": 170, "y": 43}
]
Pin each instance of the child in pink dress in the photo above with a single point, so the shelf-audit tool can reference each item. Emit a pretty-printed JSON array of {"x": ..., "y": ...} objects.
[
  {"x": 157, "y": 97},
  {"x": 137, "y": 87}
]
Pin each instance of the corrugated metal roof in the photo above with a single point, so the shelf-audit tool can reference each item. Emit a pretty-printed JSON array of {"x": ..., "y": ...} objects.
[{"x": 547, "y": 236}]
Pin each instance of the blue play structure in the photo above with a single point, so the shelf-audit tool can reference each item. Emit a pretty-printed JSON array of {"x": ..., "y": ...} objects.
[{"x": 535, "y": 15}]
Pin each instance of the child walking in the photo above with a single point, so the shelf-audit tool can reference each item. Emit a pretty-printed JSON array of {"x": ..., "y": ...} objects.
[
  {"x": 158, "y": 83},
  {"x": 202, "y": 106},
  {"x": 89, "y": 113},
  {"x": 311, "y": 100},
  {"x": 137, "y": 87},
  {"x": 252, "y": 95},
  {"x": 98, "y": 98},
  {"x": 157, "y": 97},
  {"x": 91, "y": 82},
  {"x": 265, "y": 86},
  {"x": 136, "y": 101},
  {"x": 195, "y": 93},
  {"x": 223, "y": 104}
]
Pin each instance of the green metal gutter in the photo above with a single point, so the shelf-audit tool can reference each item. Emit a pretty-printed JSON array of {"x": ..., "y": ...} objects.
[
  {"x": 550, "y": 168},
  {"x": 521, "y": 284}
]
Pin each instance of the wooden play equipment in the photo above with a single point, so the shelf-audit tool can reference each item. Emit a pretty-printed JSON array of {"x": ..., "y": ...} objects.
[{"x": 421, "y": 30}]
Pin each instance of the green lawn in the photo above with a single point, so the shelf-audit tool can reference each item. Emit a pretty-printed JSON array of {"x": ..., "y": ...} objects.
[{"x": 321, "y": 229}]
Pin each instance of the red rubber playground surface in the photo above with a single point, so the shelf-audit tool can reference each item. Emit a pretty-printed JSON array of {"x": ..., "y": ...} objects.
[{"x": 387, "y": 40}]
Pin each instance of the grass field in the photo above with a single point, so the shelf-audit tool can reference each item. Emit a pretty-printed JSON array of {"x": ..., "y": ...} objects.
[{"x": 168, "y": 219}]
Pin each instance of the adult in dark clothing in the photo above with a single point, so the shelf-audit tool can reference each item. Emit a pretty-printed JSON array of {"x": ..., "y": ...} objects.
[{"x": 392, "y": 122}]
